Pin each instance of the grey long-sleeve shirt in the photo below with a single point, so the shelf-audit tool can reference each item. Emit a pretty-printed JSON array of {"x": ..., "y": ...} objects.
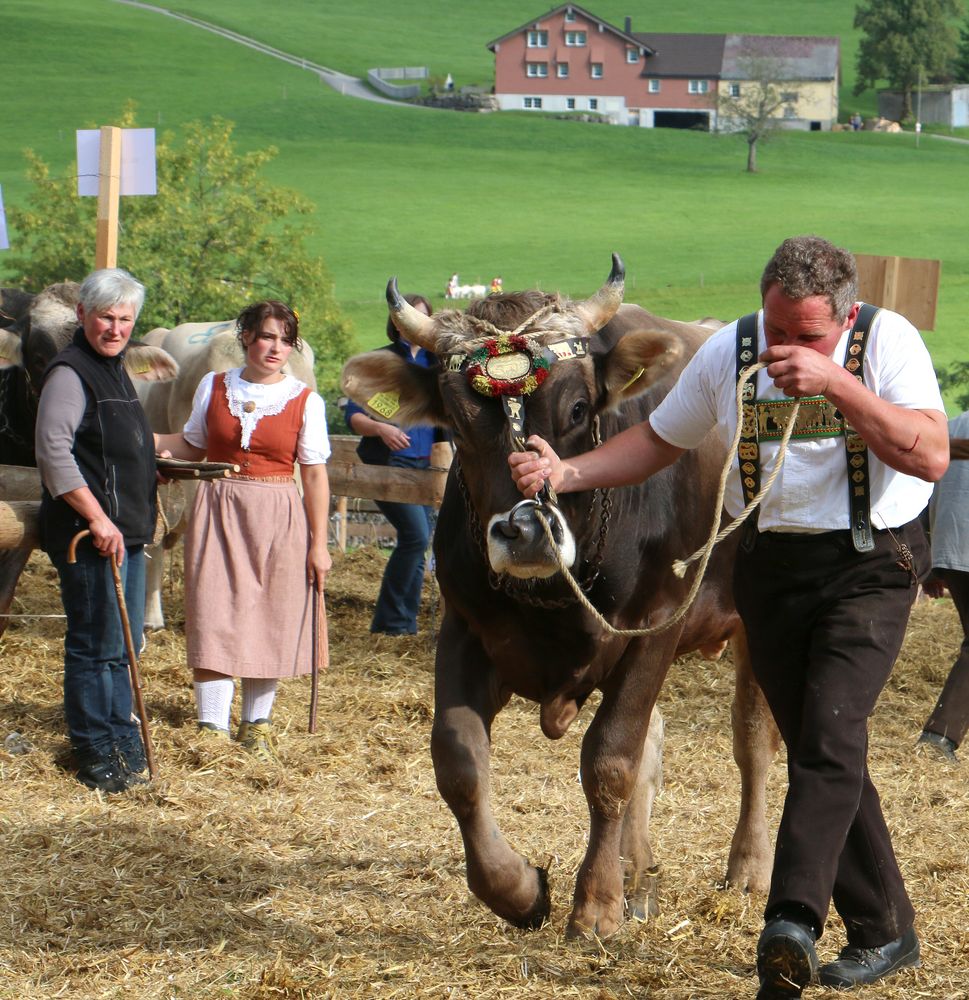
[{"x": 59, "y": 415}]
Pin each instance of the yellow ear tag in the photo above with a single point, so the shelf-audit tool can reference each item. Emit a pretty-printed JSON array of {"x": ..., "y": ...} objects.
[
  {"x": 633, "y": 379},
  {"x": 384, "y": 403}
]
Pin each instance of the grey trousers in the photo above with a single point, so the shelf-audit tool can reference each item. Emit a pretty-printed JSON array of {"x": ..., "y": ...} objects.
[{"x": 950, "y": 717}]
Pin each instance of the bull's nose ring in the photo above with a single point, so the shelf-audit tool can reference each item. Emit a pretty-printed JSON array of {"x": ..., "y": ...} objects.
[{"x": 518, "y": 506}]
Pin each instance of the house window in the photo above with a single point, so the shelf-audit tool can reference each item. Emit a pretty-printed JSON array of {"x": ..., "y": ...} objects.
[
  {"x": 789, "y": 97},
  {"x": 698, "y": 86},
  {"x": 536, "y": 69},
  {"x": 532, "y": 102},
  {"x": 596, "y": 70},
  {"x": 575, "y": 38},
  {"x": 734, "y": 90},
  {"x": 537, "y": 39},
  {"x": 632, "y": 56},
  {"x": 570, "y": 103},
  {"x": 654, "y": 86},
  {"x": 789, "y": 111},
  {"x": 562, "y": 71},
  {"x": 593, "y": 103},
  {"x": 570, "y": 16}
]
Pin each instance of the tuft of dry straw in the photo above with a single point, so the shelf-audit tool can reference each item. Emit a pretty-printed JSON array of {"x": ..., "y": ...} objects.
[{"x": 341, "y": 873}]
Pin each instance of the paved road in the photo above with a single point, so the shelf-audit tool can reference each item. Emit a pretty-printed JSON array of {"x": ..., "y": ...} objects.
[{"x": 352, "y": 86}]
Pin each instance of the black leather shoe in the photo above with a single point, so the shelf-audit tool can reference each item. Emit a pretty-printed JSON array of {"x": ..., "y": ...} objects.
[
  {"x": 786, "y": 959},
  {"x": 942, "y": 744},
  {"x": 858, "y": 966}
]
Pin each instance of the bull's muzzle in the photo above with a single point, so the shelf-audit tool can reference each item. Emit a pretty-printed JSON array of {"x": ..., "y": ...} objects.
[{"x": 519, "y": 545}]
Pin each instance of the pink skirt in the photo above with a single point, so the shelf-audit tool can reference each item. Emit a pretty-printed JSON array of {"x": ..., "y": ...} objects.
[{"x": 248, "y": 604}]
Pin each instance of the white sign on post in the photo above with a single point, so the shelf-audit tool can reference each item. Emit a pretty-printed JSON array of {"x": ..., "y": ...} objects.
[
  {"x": 4, "y": 243},
  {"x": 137, "y": 161}
]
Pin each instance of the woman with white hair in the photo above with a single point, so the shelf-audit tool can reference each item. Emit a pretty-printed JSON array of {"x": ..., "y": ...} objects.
[{"x": 96, "y": 458}]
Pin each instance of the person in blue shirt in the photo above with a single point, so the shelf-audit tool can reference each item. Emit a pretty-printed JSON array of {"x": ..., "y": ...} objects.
[{"x": 383, "y": 443}]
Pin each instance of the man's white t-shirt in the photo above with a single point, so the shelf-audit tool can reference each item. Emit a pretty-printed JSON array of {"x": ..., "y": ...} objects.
[{"x": 811, "y": 490}]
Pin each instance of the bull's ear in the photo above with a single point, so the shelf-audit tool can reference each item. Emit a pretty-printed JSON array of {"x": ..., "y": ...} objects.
[
  {"x": 11, "y": 349},
  {"x": 636, "y": 362},
  {"x": 390, "y": 388},
  {"x": 149, "y": 364}
]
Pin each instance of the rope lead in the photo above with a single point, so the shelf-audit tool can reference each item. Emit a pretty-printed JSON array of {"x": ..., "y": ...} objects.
[{"x": 704, "y": 553}]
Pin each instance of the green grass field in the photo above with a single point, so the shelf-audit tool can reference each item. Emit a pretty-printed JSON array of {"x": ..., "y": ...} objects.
[{"x": 422, "y": 193}]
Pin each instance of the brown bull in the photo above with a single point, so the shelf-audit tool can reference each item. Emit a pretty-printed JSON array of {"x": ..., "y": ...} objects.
[{"x": 572, "y": 373}]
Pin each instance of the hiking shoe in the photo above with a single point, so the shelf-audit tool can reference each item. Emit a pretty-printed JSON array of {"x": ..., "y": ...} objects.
[
  {"x": 103, "y": 774},
  {"x": 257, "y": 738},
  {"x": 786, "y": 959},
  {"x": 211, "y": 730},
  {"x": 859, "y": 966}
]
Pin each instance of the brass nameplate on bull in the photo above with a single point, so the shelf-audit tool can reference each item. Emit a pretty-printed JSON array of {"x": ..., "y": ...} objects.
[
  {"x": 385, "y": 403},
  {"x": 816, "y": 418},
  {"x": 508, "y": 367}
]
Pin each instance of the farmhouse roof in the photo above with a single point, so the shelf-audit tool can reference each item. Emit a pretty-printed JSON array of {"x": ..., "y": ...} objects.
[
  {"x": 535, "y": 23},
  {"x": 682, "y": 55},
  {"x": 797, "y": 57}
]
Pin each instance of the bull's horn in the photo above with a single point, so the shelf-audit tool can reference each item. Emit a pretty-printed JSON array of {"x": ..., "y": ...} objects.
[
  {"x": 601, "y": 307},
  {"x": 414, "y": 326}
]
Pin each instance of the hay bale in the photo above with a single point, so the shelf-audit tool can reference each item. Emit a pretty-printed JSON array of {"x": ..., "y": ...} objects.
[{"x": 341, "y": 874}]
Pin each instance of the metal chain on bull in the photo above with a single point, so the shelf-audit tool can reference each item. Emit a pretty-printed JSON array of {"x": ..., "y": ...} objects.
[{"x": 704, "y": 553}]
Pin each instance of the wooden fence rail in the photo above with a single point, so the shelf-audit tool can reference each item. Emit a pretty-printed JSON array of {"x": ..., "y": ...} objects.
[{"x": 349, "y": 478}]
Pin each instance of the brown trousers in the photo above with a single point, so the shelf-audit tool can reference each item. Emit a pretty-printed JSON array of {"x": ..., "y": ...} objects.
[{"x": 825, "y": 624}]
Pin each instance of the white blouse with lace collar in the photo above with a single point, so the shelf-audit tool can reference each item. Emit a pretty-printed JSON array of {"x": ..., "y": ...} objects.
[{"x": 249, "y": 402}]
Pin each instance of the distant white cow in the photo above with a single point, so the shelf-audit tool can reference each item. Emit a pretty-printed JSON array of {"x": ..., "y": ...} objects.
[
  {"x": 455, "y": 290},
  {"x": 198, "y": 348}
]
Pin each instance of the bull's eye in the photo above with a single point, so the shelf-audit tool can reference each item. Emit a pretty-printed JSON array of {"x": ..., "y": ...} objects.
[{"x": 579, "y": 412}]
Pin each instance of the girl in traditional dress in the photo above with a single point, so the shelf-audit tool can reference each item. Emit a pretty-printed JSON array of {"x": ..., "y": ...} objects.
[{"x": 254, "y": 549}]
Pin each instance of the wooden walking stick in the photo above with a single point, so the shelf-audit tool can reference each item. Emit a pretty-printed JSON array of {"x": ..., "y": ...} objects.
[
  {"x": 321, "y": 652},
  {"x": 130, "y": 646}
]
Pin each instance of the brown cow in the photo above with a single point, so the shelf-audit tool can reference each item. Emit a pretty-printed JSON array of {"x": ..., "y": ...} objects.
[{"x": 512, "y": 626}]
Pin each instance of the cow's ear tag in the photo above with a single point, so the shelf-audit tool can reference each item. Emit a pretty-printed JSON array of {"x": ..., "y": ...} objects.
[{"x": 385, "y": 403}]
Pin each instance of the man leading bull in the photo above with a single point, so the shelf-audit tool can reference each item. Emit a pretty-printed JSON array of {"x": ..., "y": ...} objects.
[{"x": 825, "y": 577}]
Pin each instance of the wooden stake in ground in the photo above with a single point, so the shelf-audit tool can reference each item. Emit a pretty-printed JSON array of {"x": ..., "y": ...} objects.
[
  {"x": 321, "y": 652},
  {"x": 132, "y": 656},
  {"x": 109, "y": 197}
]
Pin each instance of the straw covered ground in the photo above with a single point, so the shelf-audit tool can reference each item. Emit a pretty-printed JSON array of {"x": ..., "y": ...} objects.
[{"x": 341, "y": 874}]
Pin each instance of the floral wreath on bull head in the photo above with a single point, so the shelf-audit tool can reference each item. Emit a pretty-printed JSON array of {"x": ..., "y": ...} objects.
[
  {"x": 506, "y": 365},
  {"x": 512, "y": 363}
]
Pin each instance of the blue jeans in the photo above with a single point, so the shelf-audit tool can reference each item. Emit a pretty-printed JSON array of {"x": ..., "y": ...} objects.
[
  {"x": 97, "y": 688},
  {"x": 399, "y": 599}
]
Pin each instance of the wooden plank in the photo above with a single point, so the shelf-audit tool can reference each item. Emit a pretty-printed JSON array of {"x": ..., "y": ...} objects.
[
  {"x": 907, "y": 285},
  {"x": 18, "y": 524},
  {"x": 109, "y": 198},
  {"x": 380, "y": 482},
  {"x": 19, "y": 482}
]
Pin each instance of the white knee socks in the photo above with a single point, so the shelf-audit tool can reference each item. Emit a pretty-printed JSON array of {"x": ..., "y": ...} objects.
[
  {"x": 214, "y": 700},
  {"x": 258, "y": 694}
]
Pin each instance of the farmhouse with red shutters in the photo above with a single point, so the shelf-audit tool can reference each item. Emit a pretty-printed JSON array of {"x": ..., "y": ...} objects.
[{"x": 569, "y": 60}]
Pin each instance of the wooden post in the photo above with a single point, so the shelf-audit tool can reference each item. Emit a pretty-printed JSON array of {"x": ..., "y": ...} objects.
[
  {"x": 341, "y": 531},
  {"x": 109, "y": 197}
]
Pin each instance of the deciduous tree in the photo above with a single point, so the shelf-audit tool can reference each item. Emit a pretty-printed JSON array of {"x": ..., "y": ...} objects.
[
  {"x": 216, "y": 236},
  {"x": 903, "y": 39},
  {"x": 752, "y": 111}
]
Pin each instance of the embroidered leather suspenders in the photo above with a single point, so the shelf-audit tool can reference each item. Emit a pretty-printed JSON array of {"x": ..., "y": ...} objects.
[{"x": 766, "y": 421}]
